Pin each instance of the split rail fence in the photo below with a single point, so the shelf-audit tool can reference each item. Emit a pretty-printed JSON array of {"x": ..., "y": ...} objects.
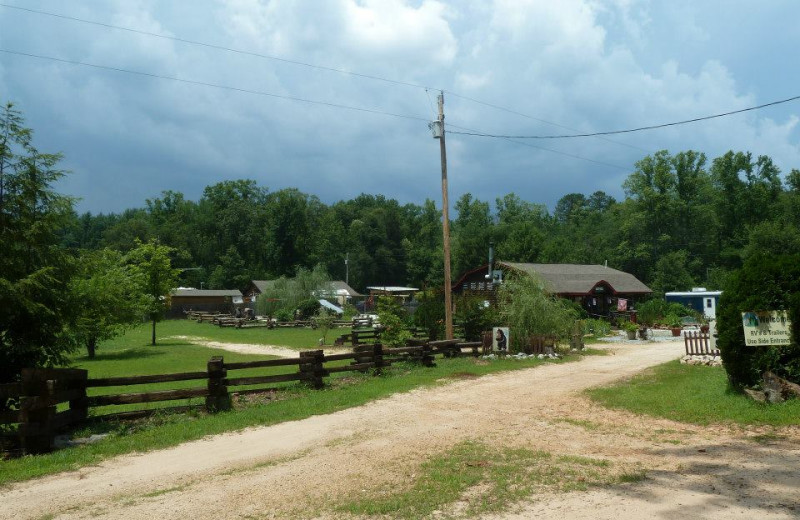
[{"x": 52, "y": 400}]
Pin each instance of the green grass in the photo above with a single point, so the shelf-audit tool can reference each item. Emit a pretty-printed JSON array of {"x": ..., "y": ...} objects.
[
  {"x": 693, "y": 394},
  {"x": 166, "y": 430},
  {"x": 473, "y": 479},
  {"x": 296, "y": 338}
]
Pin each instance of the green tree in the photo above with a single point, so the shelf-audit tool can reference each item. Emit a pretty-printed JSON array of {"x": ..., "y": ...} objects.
[
  {"x": 152, "y": 267},
  {"x": 106, "y": 293},
  {"x": 472, "y": 232},
  {"x": 529, "y": 310},
  {"x": 35, "y": 322},
  {"x": 288, "y": 294},
  {"x": 764, "y": 283},
  {"x": 392, "y": 317}
]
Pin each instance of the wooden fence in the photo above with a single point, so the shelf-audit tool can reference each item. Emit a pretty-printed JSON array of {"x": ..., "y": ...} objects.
[
  {"x": 33, "y": 426},
  {"x": 698, "y": 344}
]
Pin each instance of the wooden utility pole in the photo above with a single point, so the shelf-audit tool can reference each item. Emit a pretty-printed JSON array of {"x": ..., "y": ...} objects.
[{"x": 448, "y": 303}]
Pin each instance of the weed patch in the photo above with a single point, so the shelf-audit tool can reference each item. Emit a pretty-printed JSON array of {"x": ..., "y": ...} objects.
[{"x": 473, "y": 478}]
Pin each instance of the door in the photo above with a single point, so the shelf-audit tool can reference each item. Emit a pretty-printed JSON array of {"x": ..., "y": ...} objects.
[{"x": 710, "y": 308}]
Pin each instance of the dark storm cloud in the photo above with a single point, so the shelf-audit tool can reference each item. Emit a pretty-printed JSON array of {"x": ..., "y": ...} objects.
[{"x": 582, "y": 64}]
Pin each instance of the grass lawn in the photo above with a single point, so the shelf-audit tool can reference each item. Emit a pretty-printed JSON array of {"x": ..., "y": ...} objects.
[
  {"x": 130, "y": 355},
  {"x": 693, "y": 394},
  {"x": 166, "y": 331}
]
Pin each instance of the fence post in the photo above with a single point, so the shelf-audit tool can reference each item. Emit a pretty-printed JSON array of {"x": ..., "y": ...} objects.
[
  {"x": 218, "y": 399},
  {"x": 426, "y": 355},
  {"x": 487, "y": 342},
  {"x": 80, "y": 406},
  {"x": 312, "y": 368},
  {"x": 377, "y": 357},
  {"x": 36, "y": 429}
]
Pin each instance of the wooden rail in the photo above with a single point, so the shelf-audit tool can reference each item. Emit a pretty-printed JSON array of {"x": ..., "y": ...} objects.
[{"x": 35, "y": 422}]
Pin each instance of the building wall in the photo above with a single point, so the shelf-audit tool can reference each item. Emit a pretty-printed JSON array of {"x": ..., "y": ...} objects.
[{"x": 179, "y": 304}]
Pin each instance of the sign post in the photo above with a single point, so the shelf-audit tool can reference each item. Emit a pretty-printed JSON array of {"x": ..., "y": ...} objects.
[{"x": 766, "y": 328}]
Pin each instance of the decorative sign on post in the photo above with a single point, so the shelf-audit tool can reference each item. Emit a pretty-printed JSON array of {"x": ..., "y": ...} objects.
[
  {"x": 500, "y": 339},
  {"x": 766, "y": 328}
]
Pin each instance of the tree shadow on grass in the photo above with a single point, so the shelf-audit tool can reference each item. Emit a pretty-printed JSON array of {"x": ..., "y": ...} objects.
[{"x": 122, "y": 355}]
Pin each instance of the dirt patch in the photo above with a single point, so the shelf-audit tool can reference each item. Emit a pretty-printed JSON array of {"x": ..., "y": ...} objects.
[
  {"x": 255, "y": 349},
  {"x": 302, "y": 469}
]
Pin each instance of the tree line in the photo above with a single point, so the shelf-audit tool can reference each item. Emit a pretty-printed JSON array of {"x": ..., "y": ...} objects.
[{"x": 683, "y": 221}]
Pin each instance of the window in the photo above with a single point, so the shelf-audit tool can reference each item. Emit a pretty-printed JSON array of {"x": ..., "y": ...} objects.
[{"x": 708, "y": 303}]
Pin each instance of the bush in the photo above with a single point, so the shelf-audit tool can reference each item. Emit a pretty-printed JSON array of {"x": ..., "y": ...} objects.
[
  {"x": 392, "y": 316},
  {"x": 308, "y": 308},
  {"x": 284, "y": 315},
  {"x": 769, "y": 282},
  {"x": 597, "y": 328},
  {"x": 660, "y": 311},
  {"x": 529, "y": 310},
  {"x": 475, "y": 317},
  {"x": 430, "y": 314}
]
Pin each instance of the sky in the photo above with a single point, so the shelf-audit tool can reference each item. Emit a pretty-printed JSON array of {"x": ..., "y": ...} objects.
[{"x": 333, "y": 97}]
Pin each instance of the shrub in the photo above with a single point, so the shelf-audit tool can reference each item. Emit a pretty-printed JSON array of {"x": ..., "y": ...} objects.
[
  {"x": 475, "y": 316},
  {"x": 768, "y": 282},
  {"x": 660, "y": 311},
  {"x": 430, "y": 314},
  {"x": 308, "y": 308},
  {"x": 597, "y": 328},
  {"x": 392, "y": 315},
  {"x": 529, "y": 310}
]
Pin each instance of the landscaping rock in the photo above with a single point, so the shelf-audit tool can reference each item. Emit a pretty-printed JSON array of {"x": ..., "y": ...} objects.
[
  {"x": 756, "y": 395},
  {"x": 779, "y": 387},
  {"x": 706, "y": 360}
]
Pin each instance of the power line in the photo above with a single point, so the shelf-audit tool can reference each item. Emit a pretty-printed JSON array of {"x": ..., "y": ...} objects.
[
  {"x": 295, "y": 62},
  {"x": 214, "y": 46},
  {"x": 529, "y": 145},
  {"x": 631, "y": 130},
  {"x": 521, "y": 114},
  {"x": 215, "y": 85}
]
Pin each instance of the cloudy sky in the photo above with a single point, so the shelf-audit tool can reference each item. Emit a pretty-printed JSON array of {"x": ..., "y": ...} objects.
[{"x": 511, "y": 67}]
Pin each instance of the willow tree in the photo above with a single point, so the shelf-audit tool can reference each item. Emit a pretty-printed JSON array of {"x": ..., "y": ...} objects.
[{"x": 529, "y": 309}]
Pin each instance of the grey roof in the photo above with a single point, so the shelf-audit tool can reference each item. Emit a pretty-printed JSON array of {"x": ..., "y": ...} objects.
[
  {"x": 338, "y": 286},
  {"x": 581, "y": 279},
  {"x": 206, "y": 292},
  {"x": 263, "y": 285}
]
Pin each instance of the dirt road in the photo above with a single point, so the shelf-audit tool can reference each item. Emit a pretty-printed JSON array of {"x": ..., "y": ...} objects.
[{"x": 304, "y": 468}]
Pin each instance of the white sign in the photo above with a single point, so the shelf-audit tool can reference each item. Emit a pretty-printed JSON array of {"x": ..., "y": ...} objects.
[
  {"x": 766, "y": 328},
  {"x": 500, "y": 339}
]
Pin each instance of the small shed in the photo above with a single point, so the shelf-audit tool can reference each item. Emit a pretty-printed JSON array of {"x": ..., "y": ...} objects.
[
  {"x": 699, "y": 299},
  {"x": 183, "y": 299}
]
